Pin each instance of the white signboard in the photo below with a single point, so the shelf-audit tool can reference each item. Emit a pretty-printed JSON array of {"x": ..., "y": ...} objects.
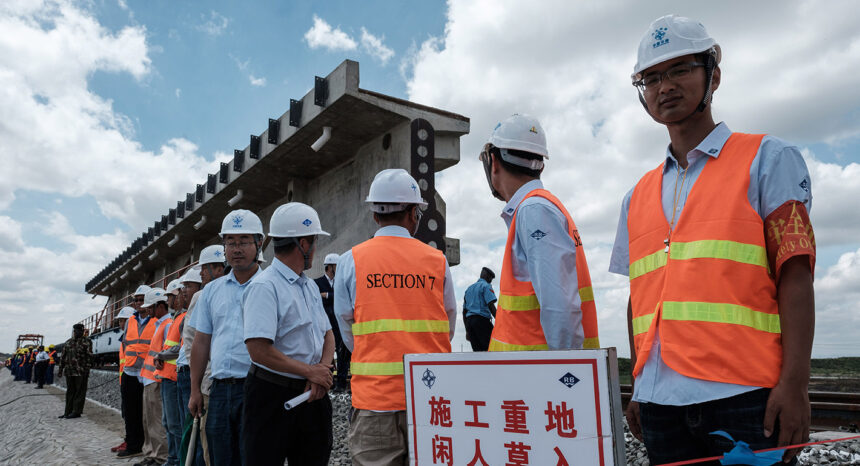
[{"x": 514, "y": 408}]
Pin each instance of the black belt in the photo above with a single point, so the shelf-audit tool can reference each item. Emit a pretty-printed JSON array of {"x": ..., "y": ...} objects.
[
  {"x": 182, "y": 369},
  {"x": 277, "y": 379},
  {"x": 229, "y": 380}
]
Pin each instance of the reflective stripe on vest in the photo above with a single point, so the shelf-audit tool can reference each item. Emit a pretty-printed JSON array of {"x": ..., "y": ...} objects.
[
  {"x": 392, "y": 320},
  {"x": 712, "y": 296},
  {"x": 518, "y": 326}
]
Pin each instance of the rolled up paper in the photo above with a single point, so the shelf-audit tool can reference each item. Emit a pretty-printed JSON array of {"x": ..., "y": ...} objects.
[{"x": 288, "y": 405}]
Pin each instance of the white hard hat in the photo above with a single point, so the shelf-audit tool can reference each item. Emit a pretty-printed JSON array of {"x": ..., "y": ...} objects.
[
  {"x": 671, "y": 37},
  {"x": 393, "y": 190},
  {"x": 174, "y": 286},
  {"x": 192, "y": 276},
  {"x": 153, "y": 296},
  {"x": 125, "y": 312},
  {"x": 293, "y": 220},
  {"x": 212, "y": 255},
  {"x": 331, "y": 259},
  {"x": 520, "y": 132},
  {"x": 241, "y": 222},
  {"x": 141, "y": 290}
]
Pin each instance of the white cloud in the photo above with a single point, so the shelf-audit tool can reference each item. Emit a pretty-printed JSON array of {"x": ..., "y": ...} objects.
[
  {"x": 214, "y": 25},
  {"x": 244, "y": 67},
  {"x": 321, "y": 35},
  {"x": 259, "y": 82},
  {"x": 375, "y": 47},
  {"x": 569, "y": 66},
  {"x": 178, "y": 92}
]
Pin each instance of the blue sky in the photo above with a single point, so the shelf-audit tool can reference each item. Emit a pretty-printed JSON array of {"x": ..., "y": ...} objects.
[{"x": 112, "y": 109}]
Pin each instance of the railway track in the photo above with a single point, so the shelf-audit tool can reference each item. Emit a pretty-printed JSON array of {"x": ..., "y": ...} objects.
[{"x": 830, "y": 410}]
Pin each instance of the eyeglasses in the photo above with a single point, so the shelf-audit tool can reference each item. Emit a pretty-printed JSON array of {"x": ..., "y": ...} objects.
[
  {"x": 652, "y": 80},
  {"x": 242, "y": 244}
]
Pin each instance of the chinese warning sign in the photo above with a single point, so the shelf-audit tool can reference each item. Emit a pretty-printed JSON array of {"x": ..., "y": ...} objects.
[{"x": 514, "y": 409}]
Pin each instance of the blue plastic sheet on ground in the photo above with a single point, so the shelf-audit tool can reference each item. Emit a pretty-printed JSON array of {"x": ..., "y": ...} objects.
[{"x": 743, "y": 454}]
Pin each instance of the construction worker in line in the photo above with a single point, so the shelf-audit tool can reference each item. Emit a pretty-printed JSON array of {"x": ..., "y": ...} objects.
[
  {"x": 165, "y": 365},
  {"x": 135, "y": 345},
  {"x": 720, "y": 252},
  {"x": 290, "y": 341},
  {"x": 28, "y": 365},
  {"x": 393, "y": 295},
  {"x": 155, "y": 446},
  {"x": 326, "y": 285},
  {"x": 219, "y": 338},
  {"x": 120, "y": 321},
  {"x": 211, "y": 265},
  {"x": 19, "y": 369},
  {"x": 545, "y": 295},
  {"x": 52, "y": 361},
  {"x": 41, "y": 367}
]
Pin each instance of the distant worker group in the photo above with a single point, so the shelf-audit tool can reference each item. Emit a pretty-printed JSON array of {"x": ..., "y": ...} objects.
[{"x": 716, "y": 243}]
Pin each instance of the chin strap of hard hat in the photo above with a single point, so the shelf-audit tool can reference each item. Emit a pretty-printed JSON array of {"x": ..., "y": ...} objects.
[
  {"x": 710, "y": 66},
  {"x": 487, "y": 162}
]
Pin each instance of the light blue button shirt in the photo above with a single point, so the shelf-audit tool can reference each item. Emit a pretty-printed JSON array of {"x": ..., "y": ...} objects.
[
  {"x": 287, "y": 309},
  {"x": 344, "y": 289},
  {"x": 218, "y": 313},
  {"x": 158, "y": 328},
  {"x": 778, "y": 174},
  {"x": 545, "y": 255},
  {"x": 477, "y": 298},
  {"x": 141, "y": 323}
]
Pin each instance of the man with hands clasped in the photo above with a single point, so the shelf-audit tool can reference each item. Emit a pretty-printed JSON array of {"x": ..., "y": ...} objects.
[{"x": 291, "y": 344}]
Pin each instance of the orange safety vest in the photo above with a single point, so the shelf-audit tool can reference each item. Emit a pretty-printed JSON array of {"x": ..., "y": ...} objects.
[
  {"x": 399, "y": 309},
  {"x": 712, "y": 295},
  {"x": 121, "y": 359},
  {"x": 149, "y": 371},
  {"x": 51, "y": 356},
  {"x": 518, "y": 326},
  {"x": 136, "y": 344},
  {"x": 174, "y": 338}
]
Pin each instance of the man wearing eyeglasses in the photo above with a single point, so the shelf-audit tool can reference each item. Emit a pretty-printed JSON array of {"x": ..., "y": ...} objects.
[
  {"x": 218, "y": 320},
  {"x": 719, "y": 250},
  {"x": 135, "y": 343}
]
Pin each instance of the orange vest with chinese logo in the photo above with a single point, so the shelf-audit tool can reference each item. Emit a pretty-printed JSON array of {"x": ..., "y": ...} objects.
[
  {"x": 174, "y": 338},
  {"x": 136, "y": 343},
  {"x": 148, "y": 371},
  {"x": 712, "y": 295},
  {"x": 399, "y": 309},
  {"x": 518, "y": 326}
]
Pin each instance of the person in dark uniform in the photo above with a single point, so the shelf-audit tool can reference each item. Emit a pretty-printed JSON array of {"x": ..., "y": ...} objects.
[
  {"x": 326, "y": 285},
  {"x": 75, "y": 363},
  {"x": 478, "y": 308}
]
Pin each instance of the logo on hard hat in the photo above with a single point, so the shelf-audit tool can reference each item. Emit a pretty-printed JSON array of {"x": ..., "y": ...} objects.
[
  {"x": 659, "y": 35},
  {"x": 307, "y": 222},
  {"x": 414, "y": 188},
  {"x": 217, "y": 254},
  {"x": 237, "y": 221},
  {"x": 533, "y": 130}
]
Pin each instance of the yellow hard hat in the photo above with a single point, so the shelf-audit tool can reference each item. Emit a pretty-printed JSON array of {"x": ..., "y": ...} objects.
[{"x": 50, "y": 346}]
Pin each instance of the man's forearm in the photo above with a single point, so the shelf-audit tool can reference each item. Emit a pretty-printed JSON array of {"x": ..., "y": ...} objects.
[
  {"x": 199, "y": 358},
  {"x": 796, "y": 301},
  {"x": 263, "y": 352},
  {"x": 328, "y": 347}
]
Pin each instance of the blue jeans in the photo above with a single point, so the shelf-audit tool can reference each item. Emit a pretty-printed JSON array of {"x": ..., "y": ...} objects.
[
  {"x": 224, "y": 423},
  {"x": 678, "y": 433},
  {"x": 172, "y": 420}
]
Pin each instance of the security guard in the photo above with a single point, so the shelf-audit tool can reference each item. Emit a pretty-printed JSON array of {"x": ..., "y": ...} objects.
[
  {"x": 218, "y": 320},
  {"x": 291, "y": 345},
  {"x": 545, "y": 295},
  {"x": 718, "y": 246},
  {"x": 393, "y": 295}
]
